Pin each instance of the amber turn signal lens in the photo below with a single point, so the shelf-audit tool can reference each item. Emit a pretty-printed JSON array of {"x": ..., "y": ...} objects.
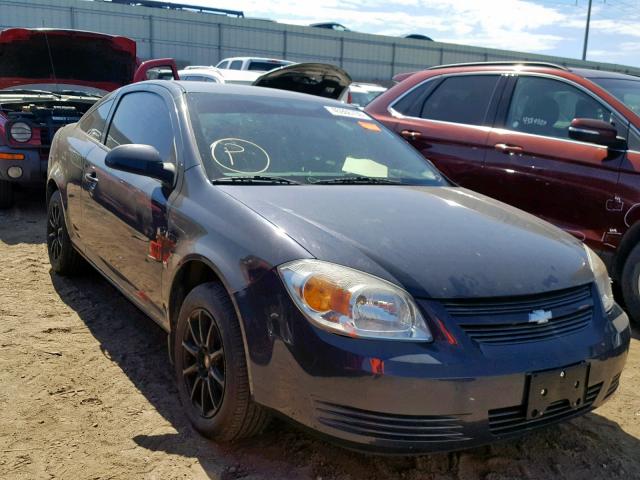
[
  {"x": 323, "y": 295},
  {"x": 11, "y": 156}
]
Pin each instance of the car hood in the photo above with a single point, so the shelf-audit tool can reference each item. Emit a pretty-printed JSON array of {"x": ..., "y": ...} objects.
[
  {"x": 37, "y": 56},
  {"x": 318, "y": 79},
  {"x": 437, "y": 242}
]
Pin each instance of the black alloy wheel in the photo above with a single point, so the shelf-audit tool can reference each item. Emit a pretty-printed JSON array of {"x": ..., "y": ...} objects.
[
  {"x": 64, "y": 258},
  {"x": 211, "y": 368},
  {"x": 203, "y": 363},
  {"x": 55, "y": 233}
]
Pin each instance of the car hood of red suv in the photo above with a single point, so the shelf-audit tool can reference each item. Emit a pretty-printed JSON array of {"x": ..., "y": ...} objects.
[{"x": 68, "y": 57}]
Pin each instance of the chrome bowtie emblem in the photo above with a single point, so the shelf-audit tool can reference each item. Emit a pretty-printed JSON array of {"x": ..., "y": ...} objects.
[{"x": 540, "y": 316}]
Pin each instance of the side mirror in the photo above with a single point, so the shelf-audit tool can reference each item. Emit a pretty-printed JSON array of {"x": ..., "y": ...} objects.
[
  {"x": 141, "y": 160},
  {"x": 595, "y": 131}
]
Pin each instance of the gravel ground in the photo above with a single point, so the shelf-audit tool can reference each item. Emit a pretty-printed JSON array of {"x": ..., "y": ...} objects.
[{"x": 86, "y": 392}]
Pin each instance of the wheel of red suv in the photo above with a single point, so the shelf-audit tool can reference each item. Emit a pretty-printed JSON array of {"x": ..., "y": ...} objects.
[
  {"x": 630, "y": 284},
  {"x": 211, "y": 368},
  {"x": 6, "y": 194},
  {"x": 62, "y": 255}
]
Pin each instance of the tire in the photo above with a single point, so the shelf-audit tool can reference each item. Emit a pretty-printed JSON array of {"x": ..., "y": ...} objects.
[
  {"x": 630, "y": 284},
  {"x": 6, "y": 194},
  {"x": 62, "y": 255},
  {"x": 211, "y": 369}
]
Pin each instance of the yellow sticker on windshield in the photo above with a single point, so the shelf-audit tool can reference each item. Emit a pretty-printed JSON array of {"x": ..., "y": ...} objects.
[{"x": 369, "y": 126}]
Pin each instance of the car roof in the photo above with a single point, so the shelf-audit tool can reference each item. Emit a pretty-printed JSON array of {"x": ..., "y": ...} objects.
[
  {"x": 521, "y": 66},
  {"x": 592, "y": 73},
  {"x": 232, "y": 89},
  {"x": 260, "y": 59},
  {"x": 201, "y": 71}
]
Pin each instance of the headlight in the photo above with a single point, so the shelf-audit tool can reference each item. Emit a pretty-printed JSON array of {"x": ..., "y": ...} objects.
[
  {"x": 349, "y": 302},
  {"x": 20, "y": 132},
  {"x": 603, "y": 282}
]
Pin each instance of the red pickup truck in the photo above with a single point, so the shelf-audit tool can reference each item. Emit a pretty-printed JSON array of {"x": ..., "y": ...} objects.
[{"x": 50, "y": 78}]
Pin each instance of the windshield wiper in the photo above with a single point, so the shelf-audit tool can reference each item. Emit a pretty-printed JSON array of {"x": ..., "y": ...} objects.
[
  {"x": 255, "y": 179},
  {"x": 26, "y": 90},
  {"x": 359, "y": 179},
  {"x": 79, "y": 93}
]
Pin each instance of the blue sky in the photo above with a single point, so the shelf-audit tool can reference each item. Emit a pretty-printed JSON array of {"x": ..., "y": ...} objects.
[{"x": 554, "y": 27}]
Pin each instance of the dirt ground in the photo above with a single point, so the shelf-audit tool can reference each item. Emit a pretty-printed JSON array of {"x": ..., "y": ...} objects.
[{"x": 86, "y": 392}]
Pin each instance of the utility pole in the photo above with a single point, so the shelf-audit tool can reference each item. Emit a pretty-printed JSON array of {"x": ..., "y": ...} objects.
[{"x": 586, "y": 32}]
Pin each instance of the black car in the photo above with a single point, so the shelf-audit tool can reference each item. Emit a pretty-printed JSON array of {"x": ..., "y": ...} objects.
[
  {"x": 331, "y": 26},
  {"x": 305, "y": 260}
]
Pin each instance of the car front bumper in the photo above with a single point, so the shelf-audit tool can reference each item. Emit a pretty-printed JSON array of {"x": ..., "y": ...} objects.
[
  {"x": 33, "y": 166},
  {"x": 399, "y": 398}
]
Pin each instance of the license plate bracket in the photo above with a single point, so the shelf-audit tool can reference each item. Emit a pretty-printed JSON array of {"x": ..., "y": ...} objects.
[{"x": 552, "y": 386}]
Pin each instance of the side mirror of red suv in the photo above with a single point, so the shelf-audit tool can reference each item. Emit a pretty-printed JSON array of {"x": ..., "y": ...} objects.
[{"x": 595, "y": 131}]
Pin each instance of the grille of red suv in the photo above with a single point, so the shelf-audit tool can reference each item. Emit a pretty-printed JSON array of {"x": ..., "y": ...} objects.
[
  {"x": 503, "y": 321},
  {"x": 512, "y": 420},
  {"x": 386, "y": 426}
]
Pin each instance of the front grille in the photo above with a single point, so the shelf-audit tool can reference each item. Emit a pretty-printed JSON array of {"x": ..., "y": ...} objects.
[
  {"x": 613, "y": 386},
  {"x": 512, "y": 420},
  {"x": 498, "y": 321},
  {"x": 385, "y": 426}
]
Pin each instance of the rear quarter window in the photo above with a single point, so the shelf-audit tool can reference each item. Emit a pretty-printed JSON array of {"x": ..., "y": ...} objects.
[
  {"x": 461, "y": 99},
  {"x": 94, "y": 122}
]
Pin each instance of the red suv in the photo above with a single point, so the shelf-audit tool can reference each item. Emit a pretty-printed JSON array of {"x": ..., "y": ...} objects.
[{"x": 563, "y": 144}]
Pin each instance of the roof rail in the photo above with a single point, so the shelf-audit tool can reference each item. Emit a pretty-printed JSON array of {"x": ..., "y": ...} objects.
[{"x": 504, "y": 63}]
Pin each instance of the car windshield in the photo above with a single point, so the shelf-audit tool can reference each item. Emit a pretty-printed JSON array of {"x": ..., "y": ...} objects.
[
  {"x": 301, "y": 141},
  {"x": 265, "y": 66},
  {"x": 625, "y": 90},
  {"x": 364, "y": 98}
]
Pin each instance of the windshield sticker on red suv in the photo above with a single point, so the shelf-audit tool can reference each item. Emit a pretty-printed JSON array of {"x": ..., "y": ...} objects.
[
  {"x": 540, "y": 122},
  {"x": 348, "y": 112}
]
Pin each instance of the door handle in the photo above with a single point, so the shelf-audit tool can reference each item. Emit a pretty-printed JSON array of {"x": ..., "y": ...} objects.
[
  {"x": 410, "y": 134},
  {"x": 91, "y": 177},
  {"x": 507, "y": 148}
]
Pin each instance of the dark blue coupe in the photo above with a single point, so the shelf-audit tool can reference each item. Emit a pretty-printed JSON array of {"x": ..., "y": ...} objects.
[{"x": 306, "y": 261}]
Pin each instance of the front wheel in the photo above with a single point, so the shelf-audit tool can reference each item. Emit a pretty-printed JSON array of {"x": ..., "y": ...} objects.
[
  {"x": 210, "y": 367},
  {"x": 6, "y": 194},
  {"x": 630, "y": 284}
]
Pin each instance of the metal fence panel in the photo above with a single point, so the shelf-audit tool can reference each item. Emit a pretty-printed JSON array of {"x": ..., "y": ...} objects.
[{"x": 203, "y": 39}]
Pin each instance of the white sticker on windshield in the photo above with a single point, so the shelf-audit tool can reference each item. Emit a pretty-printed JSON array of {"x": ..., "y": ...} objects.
[{"x": 348, "y": 112}]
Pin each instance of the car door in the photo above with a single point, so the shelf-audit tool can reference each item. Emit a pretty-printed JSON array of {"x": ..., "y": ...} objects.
[
  {"x": 448, "y": 120},
  {"x": 125, "y": 215},
  {"x": 532, "y": 163},
  {"x": 78, "y": 145}
]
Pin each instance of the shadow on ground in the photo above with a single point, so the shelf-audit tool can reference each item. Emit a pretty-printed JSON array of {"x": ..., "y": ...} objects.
[
  {"x": 591, "y": 446},
  {"x": 29, "y": 208}
]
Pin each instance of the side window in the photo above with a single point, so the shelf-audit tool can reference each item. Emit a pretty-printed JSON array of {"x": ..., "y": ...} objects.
[
  {"x": 95, "y": 121},
  {"x": 543, "y": 106},
  {"x": 210, "y": 79},
  {"x": 411, "y": 104},
  {"x": 461, "y": 99},
  {"x": 634, "y": 141},
  {"x": 224, "y": 64},
  {"x": 143, "y": 117},
  {"x": 236, "y": 65}
]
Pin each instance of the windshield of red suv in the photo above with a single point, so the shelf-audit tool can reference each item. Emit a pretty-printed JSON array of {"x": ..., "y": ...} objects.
[
  {"x": 625, "y": 90},
  {"x": 300, "y": 141}
]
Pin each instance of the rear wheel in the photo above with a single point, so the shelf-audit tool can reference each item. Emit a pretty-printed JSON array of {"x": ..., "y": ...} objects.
[
  {"x": 62, "y": 255},
  {"x": 630, "y": 284},
  {"x": 211, "y": 368},
  {"x": 6, "y": 194}
]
